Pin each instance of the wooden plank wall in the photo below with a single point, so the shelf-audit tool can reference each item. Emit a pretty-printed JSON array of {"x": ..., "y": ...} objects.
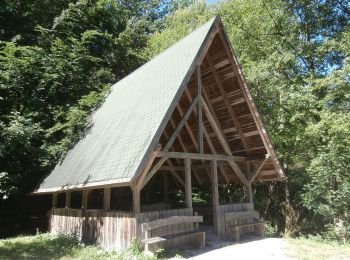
[
  {"x": 111, "y": 230},
  {"x": 67, "y": 221},
  {"x": 222, "y": 209},
  {"x": 167, "y": 230}
]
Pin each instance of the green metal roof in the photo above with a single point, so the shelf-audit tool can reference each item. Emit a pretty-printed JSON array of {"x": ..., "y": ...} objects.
[{"x": 128, "y": 124}]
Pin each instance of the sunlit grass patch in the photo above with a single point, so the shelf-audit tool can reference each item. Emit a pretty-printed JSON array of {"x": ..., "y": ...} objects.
[
  {"x": 307, "y": 248},
  {"x": 47, "y": 246}
]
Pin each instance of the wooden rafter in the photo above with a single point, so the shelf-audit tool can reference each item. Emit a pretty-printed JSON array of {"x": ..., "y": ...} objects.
[
  {"x": 227, "y": 102},
  {"x": 251, "y": 105}
]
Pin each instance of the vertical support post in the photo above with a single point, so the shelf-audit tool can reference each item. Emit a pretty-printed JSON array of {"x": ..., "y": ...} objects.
[
  {"x": 68, "y": 199},
  {"x": 54, "y": 200},
  {"x": 165, "y": 185},
  {"x": 84, "y": 203},
  {"x": 188, "y": 184},
  {"x": 196, "y": 224},
  {"x": 249, "y": 185},
  {"x": 249, "y": 193},
  {"x": 215, "y": 193},
  {"x": 136, "y": 199},
  {"x": 107, "y": 198},
  {"x": 200, "y": 113}
]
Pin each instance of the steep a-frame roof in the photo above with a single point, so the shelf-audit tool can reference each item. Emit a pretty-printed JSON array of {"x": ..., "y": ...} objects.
[{"x": 130, "y": 122}]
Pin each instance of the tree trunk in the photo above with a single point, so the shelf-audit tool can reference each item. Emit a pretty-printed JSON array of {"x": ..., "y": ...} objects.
[{"x": 290, "y": 213}]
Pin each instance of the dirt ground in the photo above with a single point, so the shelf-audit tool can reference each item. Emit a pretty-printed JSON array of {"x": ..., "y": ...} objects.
[{"x": 269, "y": 248}]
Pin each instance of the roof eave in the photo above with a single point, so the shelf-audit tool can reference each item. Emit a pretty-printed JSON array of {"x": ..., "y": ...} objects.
[{"x": 102, "y": 184}]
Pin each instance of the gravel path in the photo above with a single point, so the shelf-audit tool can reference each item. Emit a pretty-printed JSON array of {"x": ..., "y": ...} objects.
[{"x": 268, "y": 248}]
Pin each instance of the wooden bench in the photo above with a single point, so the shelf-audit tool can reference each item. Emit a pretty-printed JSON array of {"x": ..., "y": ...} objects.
[
  {"x": 152, "y": 244},
  {"x": 235, "y": 221}
]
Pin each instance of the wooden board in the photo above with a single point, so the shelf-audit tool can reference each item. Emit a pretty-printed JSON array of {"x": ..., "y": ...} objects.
[
  {"x": 222, "y": 209},
  {"x": 111, "y": 230}
]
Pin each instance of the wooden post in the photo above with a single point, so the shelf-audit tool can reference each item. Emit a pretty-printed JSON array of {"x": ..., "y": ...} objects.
[
  {"x": 84, "y": 203},
  {"x": 107, "y": 198},
  {"x": 136, "y": 199},
  {"x": 249, "y": 193},
  {"x": 249, "y": 185},
  {"x": 165, "y": 183},
  {"x": 68, "y": 199},
  {"x": 200, "y": 114},
  {"x": 215, "y": 193},
  {"x": 54, "y": 200},
  {"x": 188, "y": 184},
  {"x": 196, "y": 224}
]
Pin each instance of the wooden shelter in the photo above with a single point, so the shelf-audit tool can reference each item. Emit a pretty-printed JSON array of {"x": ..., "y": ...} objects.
[{"x": 185, "y": 119}]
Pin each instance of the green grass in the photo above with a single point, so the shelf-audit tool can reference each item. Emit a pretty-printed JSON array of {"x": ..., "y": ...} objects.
[
  {"x": 47, "y": 246},
  {"x": 308, "y": 248}
]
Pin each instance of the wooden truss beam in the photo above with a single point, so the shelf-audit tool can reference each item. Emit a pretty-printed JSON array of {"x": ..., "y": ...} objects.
[
  {"x": 172, "y": 168},
  {"x": 199, "y": 113},
  {"x": 148, "y": 166},
  {"x": 156, "y": 168},
  {"x": 181, "y": 124},
  {"x": 153, "y": 171},
  {"x": 168, "y": 145},
  {"x": 221, "y": 137},
  {"x": 188, "y": 128},
  {"x": 194, "y": 167},
  {"x": 183, "y": 146},
  {"x": 200, "y": 156},
  {"x": 258, "y": 169},
  {"x": 208, "y": 140}
]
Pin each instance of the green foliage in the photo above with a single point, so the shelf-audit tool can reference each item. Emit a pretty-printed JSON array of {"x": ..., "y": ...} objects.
[
  {"x": 57, "y": 62},
  {"x": 176, "y": 26},
  {"x": 270, "y": 230}
]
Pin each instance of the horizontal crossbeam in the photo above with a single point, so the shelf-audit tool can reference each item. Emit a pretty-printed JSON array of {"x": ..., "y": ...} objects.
[{"x": 200, "y": 156}]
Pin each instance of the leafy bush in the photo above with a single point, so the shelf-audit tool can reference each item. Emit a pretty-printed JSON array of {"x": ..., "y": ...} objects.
[{"x": 270, "y": 230}]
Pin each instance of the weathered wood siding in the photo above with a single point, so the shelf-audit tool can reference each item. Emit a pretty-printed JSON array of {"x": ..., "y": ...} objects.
[
  {"x": 167, "y": 230},
  {"x": 67, "y": 221},
  {"x": 111, "y": 230},
  {"x": 222, "y": 209}
]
